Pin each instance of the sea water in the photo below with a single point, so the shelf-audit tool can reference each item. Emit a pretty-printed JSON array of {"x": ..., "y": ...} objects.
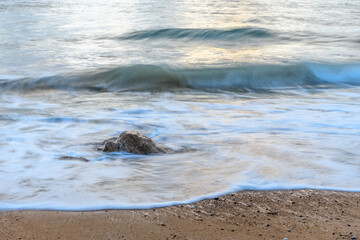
[{"x": 250, "y": 94}]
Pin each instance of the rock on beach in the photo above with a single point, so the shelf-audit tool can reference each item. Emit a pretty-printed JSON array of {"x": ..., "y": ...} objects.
[{"x": 132, "y": 142}]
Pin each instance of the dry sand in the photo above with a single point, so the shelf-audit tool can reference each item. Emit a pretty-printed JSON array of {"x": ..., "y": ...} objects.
[{"x": 300, "y": 214}]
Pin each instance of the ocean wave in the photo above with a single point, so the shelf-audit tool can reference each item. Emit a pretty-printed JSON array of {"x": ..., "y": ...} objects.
[
  {"x": 198, "y": 34},
  {"x": 152, "y": 77}
]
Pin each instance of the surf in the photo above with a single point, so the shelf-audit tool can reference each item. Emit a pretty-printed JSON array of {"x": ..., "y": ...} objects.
[
  {"x": 164, "y": 78},
  {"x": 198, "y": 34}
]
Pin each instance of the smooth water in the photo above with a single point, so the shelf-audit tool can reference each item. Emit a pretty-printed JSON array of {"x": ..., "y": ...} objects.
[{"x": 248, "y": 94}]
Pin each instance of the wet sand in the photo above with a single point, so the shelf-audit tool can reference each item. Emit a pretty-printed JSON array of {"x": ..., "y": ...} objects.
[{"x": 300, "y": 214}]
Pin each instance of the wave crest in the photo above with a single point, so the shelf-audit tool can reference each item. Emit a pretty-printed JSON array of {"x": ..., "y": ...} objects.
[
  {"x": 198, "y": 34},
  {"x": 152, "y": 77}
]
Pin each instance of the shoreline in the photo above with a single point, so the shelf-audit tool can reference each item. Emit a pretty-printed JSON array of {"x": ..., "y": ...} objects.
[{"x": 291, "y": 214}]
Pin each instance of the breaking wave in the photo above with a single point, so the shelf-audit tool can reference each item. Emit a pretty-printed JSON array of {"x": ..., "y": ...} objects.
[
  {"x": 198, "y": 34},
  {"x": 152, "y": 77}
]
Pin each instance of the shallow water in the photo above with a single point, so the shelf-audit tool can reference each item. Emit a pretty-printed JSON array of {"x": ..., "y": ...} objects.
[{"x": 250, "y": 95}]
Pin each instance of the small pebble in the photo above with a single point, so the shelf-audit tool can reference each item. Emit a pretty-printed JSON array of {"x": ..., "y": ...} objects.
[{"x": 353, "y": 238}]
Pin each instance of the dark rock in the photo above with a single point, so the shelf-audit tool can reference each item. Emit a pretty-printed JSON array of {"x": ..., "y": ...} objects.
[
  {"x": 110, "y": 146},
  {"x": 132, "y": 142}
]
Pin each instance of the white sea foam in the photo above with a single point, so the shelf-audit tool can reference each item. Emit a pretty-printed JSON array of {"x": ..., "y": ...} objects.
[{"x": 223, "y": 142}]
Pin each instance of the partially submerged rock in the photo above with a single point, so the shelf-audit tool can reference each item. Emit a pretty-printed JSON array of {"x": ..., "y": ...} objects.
[
  {"x": 110, "y": 146},
  {"x": 132, "y": 142}
]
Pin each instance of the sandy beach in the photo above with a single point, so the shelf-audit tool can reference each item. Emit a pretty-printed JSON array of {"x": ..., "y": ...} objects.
[{"x": 299, "y": 214}]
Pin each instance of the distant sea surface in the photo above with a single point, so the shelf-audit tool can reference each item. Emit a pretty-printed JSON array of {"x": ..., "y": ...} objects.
[{"x": 251, "y": 94}]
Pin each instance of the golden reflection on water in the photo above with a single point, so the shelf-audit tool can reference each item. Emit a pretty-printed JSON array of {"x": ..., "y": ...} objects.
[
  {"x": 207, "y": 55},
  {"x": 118, "y": 20}
]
